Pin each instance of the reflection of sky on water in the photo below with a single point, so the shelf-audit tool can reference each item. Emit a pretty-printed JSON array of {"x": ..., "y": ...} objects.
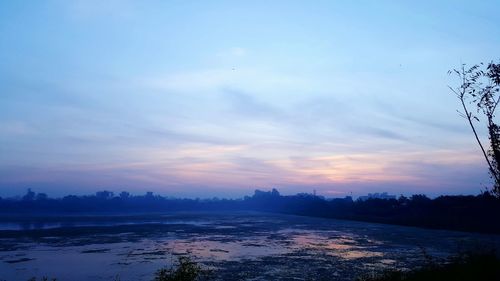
[
  {"x": 218, "y": 250},
  {"x": 342, "y": 247},
  {"x": 258, "y": 243},
  {"x": 49, "y": 225}
]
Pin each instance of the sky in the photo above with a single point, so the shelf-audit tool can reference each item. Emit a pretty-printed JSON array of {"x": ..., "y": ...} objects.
[{"x": 219, "y": 98}]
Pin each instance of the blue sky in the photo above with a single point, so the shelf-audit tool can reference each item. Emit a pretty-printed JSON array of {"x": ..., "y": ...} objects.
[{"x": 217, "y": 98}]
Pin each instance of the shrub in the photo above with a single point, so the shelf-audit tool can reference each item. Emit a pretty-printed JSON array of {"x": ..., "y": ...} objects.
[{"x": 186, "y": 270}]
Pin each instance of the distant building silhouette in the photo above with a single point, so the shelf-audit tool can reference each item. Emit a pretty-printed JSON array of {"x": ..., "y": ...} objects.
[
  {"x": 382, "y": 195},
  {"x": 104, "y": 194}
]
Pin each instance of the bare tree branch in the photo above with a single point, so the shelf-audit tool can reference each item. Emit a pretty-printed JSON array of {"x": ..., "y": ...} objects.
[{"x": 482, "y": 89}]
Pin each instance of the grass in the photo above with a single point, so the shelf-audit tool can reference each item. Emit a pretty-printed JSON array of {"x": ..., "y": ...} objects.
[{"x": 465, "y": 267}]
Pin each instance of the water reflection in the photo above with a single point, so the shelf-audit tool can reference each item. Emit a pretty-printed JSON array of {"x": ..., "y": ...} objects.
[
  {"x": 262, "y": 243},
  {"x": 342, "y": 247},
  {"x": 40, "y": 225}
]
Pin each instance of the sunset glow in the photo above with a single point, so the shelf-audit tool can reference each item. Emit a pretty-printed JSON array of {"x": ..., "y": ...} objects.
[{"x": 221, "y": 98}]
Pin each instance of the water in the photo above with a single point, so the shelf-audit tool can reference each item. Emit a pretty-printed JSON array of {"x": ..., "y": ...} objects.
[{"x": 237, "y": 246}]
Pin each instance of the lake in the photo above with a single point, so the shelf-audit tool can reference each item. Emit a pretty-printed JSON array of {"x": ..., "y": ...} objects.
[{"x": 237, "y": 246}]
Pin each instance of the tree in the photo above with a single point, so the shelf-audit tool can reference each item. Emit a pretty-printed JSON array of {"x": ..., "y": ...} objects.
[
  {"x": 124, "y": 195},
  {"x": 30, "y": 195},
  {"x": 480, "y": 88},
  {"x": 41, "y": 196}
]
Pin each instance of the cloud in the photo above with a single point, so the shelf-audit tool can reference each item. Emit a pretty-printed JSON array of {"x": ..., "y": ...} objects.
[
  {"x": 247, "y": 105},
  {"x": 382, "y": 133},
  {"x": 336, "y": 176},
  {"x": 273, "y": 85}
]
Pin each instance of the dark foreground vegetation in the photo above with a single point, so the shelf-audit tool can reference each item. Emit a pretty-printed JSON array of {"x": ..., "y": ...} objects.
[
  {"x": 464, "y": 267},
  {"x": 185, "y": 270},
  {"x": 469, "y": 267},
  {"x": 465, "y": 213}
]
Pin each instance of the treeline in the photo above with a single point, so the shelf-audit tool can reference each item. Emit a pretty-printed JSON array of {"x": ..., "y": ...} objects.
[{"x": 479, "y": 213}]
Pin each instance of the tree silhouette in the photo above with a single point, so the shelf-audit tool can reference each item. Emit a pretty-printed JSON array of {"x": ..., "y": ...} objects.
[{"x": 480, "y": 87}]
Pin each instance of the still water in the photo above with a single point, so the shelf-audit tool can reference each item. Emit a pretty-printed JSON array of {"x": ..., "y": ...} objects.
[{"x": 236, "y": 246}]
